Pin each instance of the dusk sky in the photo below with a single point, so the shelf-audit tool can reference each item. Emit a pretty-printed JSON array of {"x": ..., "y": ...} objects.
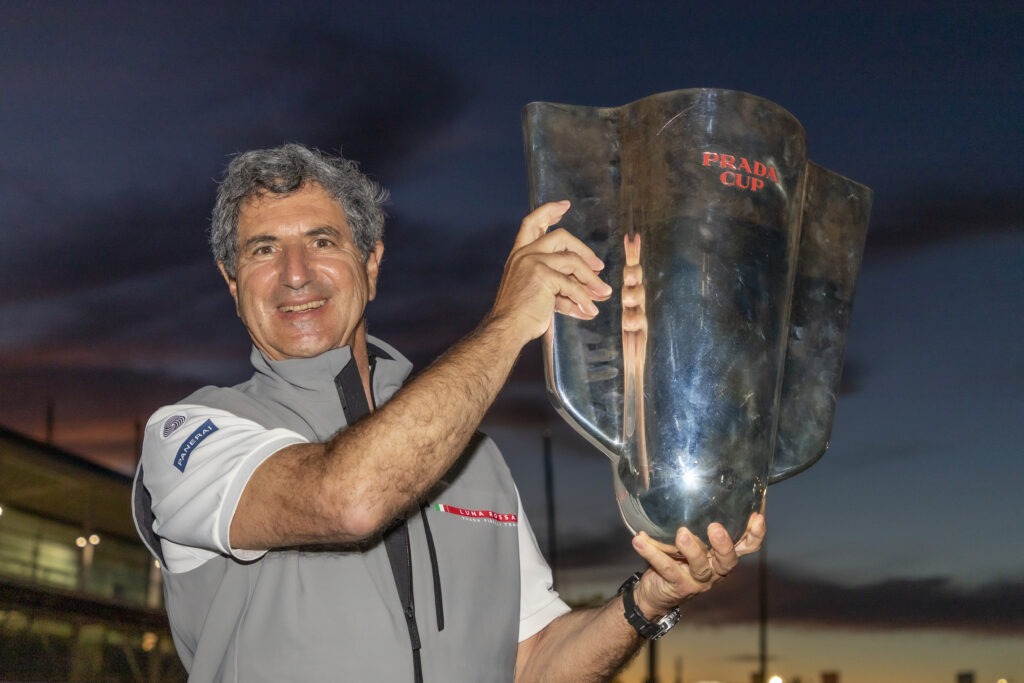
[{"x": 898, "y": 557}]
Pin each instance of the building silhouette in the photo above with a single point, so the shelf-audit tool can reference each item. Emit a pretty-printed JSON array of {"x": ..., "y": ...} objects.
[{"x": 80, "y": 596}]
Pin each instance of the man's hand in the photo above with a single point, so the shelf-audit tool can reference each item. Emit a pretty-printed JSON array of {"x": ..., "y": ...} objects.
[
  {"x": 689, "y": 568},
  {"x": 546, "y": 272},
  {"x": 594, "y": 644}
]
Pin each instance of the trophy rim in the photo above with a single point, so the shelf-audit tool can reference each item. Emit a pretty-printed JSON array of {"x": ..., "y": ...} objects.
[{"x": 668, "y": 93}]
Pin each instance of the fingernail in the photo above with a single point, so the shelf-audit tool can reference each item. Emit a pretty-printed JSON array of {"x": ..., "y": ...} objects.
[
  {"x": 720, "y": 535},
  {"x": 638, "y": 542}
]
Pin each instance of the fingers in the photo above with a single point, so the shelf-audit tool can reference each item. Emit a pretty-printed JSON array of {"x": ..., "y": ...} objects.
[
  {"x": 573, "y": 296},
  {"x": 695, "y": 554},
  {"x": 723, "y": 556},
  {"x": 671, "y": 581},
  {"x": 533, "y": 236},
  {"x": 754, "y": 536},
  {"x": 546, "y": 272},
  {"x": 536, "y": 224},
  {"x": 571, "y": 263},
  {"x": 668, "y": 568}
]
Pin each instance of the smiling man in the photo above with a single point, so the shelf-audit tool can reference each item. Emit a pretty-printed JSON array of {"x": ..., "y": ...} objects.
[{"x": 332, "y": 519}]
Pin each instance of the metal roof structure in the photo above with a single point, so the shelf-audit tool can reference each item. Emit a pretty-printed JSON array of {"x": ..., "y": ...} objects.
[{"x": 56, "y": 484}]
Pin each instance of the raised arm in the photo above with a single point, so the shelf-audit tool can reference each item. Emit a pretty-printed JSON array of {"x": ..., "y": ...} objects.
[{"x": 346, "y": 489}]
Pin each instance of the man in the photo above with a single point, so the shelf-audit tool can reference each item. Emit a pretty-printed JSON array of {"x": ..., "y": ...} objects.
[{"x": 327, "y": 520}]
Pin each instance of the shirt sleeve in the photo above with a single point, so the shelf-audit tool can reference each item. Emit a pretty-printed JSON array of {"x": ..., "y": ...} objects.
[
  {"x": 539, "y": 603},
  {"x": 197, "y": 461}
]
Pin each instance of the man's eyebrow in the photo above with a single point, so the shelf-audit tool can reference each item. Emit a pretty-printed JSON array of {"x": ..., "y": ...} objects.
[
  {"x": 325, "y": 231},
  {"x": 258, "y": 239}
]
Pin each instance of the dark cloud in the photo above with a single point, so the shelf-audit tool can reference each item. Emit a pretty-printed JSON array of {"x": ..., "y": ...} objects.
[
  {"x": 307, "y": 83},
  {"x": 326, "y": 88},
  {"x": 810, "y": 602},
  {"x": 922, "y": 603},
  {"x": 129, "y": 236},
  {"x": 435, "y": 287},
  {"x": 937, "y": 215}
]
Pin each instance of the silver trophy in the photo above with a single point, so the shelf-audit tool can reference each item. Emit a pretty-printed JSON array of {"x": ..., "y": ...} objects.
[{"x": 713, "y": 369}]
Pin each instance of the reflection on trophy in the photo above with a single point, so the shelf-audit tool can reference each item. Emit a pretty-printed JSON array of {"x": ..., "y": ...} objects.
[{"x": 713, "y": 369}]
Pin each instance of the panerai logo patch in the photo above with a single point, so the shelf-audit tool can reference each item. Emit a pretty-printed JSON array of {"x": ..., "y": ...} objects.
[
  {"x": 502, "y": 518},
  {"x": 190, "y": 444},
  {"x": 172, "y": 423}
]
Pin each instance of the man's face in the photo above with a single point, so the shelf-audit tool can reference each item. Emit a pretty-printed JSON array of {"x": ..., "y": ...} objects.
[{"x": 301, "y": 284}]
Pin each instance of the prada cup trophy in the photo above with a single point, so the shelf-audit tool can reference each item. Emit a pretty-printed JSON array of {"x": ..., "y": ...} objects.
[{"x": 713, "y": 369}]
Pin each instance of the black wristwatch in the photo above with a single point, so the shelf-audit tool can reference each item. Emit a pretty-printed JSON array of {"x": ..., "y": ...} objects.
[{"x": 652, "y": 630}]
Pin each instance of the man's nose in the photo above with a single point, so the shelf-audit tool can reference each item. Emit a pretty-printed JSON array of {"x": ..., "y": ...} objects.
[{"x": 296, "y": 270}]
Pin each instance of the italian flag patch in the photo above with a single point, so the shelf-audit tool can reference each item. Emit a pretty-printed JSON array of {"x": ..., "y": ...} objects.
[{"x": 502, "y": 518}]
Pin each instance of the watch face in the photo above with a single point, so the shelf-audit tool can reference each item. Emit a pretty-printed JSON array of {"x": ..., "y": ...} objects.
[{"x": 666, "y": 623}]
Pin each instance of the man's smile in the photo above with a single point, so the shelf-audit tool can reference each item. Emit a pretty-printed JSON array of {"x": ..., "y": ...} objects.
[{"x": 300, "y": 308}]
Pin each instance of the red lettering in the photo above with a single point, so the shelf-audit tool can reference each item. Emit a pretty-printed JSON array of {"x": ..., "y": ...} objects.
[{"x": 741, "y": 172}]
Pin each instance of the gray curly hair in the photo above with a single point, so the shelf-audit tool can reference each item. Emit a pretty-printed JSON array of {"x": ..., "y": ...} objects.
[{"x": 283, "y": 170}]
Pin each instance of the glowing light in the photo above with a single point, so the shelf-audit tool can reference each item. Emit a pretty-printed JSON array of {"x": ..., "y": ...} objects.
[
  {"x": 149, "y": 641},
  {"x": 81, "y": 542},
  {"x": 156, "y": 563},
  {"x": 691, "y": 478},
  {"x": 1, "y": 510},
  {"x": 775, "y": 679},
  {"x": 94, "y": 540}
]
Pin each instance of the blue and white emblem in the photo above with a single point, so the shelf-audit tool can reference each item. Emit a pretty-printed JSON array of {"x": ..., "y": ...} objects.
[{"x": 192, "y": 442}]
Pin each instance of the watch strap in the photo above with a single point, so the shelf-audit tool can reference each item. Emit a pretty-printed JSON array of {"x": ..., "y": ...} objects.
[{"x": 652, "y": 630}]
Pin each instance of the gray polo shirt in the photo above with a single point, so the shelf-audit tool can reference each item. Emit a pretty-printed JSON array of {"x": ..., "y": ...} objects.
[{"x": 330, "y": 613}]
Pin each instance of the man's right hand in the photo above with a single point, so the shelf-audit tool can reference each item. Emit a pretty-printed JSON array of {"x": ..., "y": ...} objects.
[{"x": 547, "y": 272}]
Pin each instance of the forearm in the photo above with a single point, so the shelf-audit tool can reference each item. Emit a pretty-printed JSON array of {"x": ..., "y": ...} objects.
[
  {"x": 581, "y": 646},
  {"x": 344, "y": 490},
  {"x": 392, "y": 459}
]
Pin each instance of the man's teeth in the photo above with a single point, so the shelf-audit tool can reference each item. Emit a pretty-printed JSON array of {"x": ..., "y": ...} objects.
[{"x": 304, "y": 307}]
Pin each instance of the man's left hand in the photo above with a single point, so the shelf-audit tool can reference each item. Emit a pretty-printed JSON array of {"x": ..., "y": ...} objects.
[{"x": 689, "y": 568}]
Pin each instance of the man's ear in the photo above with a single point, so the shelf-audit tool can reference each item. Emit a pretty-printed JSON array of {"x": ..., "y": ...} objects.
[
  {"x": 373, "y": 268},
  {"x": 232, "y": 282}
]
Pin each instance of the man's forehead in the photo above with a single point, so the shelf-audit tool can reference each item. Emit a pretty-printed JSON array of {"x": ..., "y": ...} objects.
[{"x": 310, "y": 203}]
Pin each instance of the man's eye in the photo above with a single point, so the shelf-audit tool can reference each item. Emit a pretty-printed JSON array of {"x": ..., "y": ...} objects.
[
  {"x": 262, "y": 250},
  {"x": 322, "y": 243}
]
